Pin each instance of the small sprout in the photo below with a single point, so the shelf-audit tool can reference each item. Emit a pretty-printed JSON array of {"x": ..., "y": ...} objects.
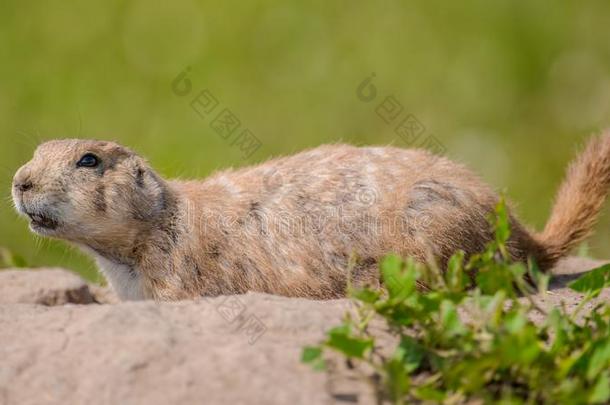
[
  {"x": 464, "y": 340},
  {"x": 313, "y": 355},
  {"x": 342, "y": 340},
  {"x": 593, "y": 282}
]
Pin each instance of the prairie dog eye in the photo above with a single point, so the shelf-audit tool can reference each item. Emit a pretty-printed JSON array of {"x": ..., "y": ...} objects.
[{"x": 88, "y": 160}]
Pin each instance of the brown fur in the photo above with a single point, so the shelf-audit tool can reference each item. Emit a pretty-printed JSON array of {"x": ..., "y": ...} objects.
[{"x": 290, "y": 226}]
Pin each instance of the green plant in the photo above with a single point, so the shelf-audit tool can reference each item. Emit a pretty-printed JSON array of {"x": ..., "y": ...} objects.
[{"x": 467, "y": 334}]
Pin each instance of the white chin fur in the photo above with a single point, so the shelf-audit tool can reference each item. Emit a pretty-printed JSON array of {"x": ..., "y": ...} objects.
[{"x": 126, "y": 283}]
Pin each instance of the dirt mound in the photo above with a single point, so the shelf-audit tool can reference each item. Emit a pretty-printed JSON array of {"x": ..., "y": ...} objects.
[{"x": 235, "y": 349}]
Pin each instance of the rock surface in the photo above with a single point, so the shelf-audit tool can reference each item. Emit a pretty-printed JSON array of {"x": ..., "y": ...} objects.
[
  {"x": 236, "y": 350},
  {"x": 44, "y": 287}
]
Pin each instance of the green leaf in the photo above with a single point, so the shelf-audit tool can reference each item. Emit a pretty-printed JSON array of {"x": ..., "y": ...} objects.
[
  {"x": 399, "y": 277},
  {"x": 450, "y": 320},
  {"x": 340, "y": 339},
  {"x": 502, "y": 223},
  {"x": 455, "y": 278},
  {"x": 593, "y": 282},
  {"x": 313, "y": 355},
  {"x": 495, "y": 278},
  {"x": 559, "y": 325},
  {"x": 493, "y": 307},
  {"x": 600, "y": 358},
  {"x": 428, "y": 393},
  {"x": 411, "y": 353},
  {"x": 515, "y": 322},
  {"x": 521, "y": 349},
  {"x": 391, "y": 265},
  {"x": 397, "y": 380},
  {"x": 517, "y": 270},
  {"x": 601, "y": 391},
  {"x": 365, "y": 295},
  {"x": 540, "y": 279}
]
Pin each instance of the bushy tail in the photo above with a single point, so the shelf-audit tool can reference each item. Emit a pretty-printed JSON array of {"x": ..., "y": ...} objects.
[{"x": 578, "y": 202}]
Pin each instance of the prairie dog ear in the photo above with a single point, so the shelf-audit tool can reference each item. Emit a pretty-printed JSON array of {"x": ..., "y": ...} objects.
[
  {"x": 139, "y": 171},
  {"x": 149, "y": 188}
]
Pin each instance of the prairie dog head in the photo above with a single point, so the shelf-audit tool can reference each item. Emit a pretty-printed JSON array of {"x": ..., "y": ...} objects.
[{"x": 94, "y": 193}]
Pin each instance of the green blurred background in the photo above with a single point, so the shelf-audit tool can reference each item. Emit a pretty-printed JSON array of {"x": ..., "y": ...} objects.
[{"x": 509, "y": 87}]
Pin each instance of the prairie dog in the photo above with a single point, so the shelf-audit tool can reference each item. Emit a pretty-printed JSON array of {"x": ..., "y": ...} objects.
[{"x": 290, "y": 226}]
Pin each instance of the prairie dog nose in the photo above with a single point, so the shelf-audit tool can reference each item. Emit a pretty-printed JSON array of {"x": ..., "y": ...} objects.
[
  {"x": 23, "y": 186},
  {"x": 23, "y": 180}
]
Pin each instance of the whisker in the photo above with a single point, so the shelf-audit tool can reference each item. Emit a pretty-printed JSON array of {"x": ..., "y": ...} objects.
[
  {"x": 6, "y": 170},
  {"x": 30, "y": 141},
  {"x": 80, "y": 124}
]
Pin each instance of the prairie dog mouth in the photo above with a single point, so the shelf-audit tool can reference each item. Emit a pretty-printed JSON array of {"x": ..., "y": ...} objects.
[{"x": 42, "y": 221}]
